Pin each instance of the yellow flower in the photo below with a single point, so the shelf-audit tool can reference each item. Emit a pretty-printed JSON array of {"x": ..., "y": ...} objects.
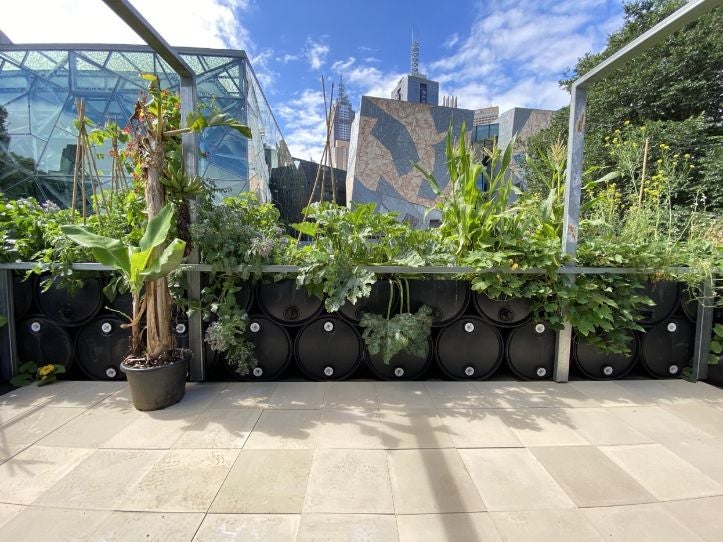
[
  {"x": 45, "y": 370},
  {"x": 686, "y": 156},
  {"x": 626, "y": 122},
  {"x": 617, "y": 131},
  {"x": 676, "y": 156}
]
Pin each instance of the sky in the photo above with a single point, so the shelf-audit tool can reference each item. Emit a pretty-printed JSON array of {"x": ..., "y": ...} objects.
[{"x": 485, "y": 52}]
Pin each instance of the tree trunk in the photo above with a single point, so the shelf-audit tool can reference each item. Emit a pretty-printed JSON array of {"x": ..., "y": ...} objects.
[
  {"x": 158, "y": 302},
  {"x": 136, "y": 345}
]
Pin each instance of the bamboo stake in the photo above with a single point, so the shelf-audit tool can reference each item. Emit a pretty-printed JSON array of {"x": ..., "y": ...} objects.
[{"x": 645, "y": 165}]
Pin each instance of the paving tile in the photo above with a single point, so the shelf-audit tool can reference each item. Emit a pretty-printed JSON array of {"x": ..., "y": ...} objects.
[
  {"x": 8, "y": 512},
  {"x": 153, "y": 430},
  {"x": 93, "y": 427},
  {"x": 10, "y": 450},
  {"x": 662, "y": 472},
  {"x": 349, "y": 481},
  {"x": 147, "y": 526},
  {"x": 431, "y": 482},
  {"x": 11, "y": 410},
  {"x": 457, "y": 395},
  {"x": 700, "y": 414},
  {"x": 545, "y": 526},
  {"x": 695, "y": 390},
  {"x": 217, "y": 428},
  {"x": 703, "y": 454},
  {"x": 297, "y": 395},
  {"x": 244, "y": 395},
  {"x": 37, "y": 395},
  {"x": 478, "y": 428},
  {"x": 84, "y": 393},
  {"x": 494, "y": 394},
  {"x": 417, "y": 428},
  {"x": 637, "y": 523},
  {"x": 248, "y": 528},
  {"x": 285, "y": 429},
  {"x": 447, "y": 528},
  {"x": 543, "y": 427},
  {"x": 557, "y": 395},
  {"x": 347, "y": 527},
  {"x": 600, "y": 427},
  {"x": 180, "y": 481},
  {"x": 30, "y": 428},
  {"x": 702, "y": 516},
  {"x": 512, "y": 479},
  {"x": 99, "y": 480},
  {"x": 589, "y": 477},
  {"x": 403, "y": 395},
  {"x": 659, "y": 424},
  {"x": 56, "y": 524},
  {"x": 265, "y": 482},
  {"x": 27, "y": 475},
  {"x": 199, "y": 396},
  {"x": 347, "y": 395},
  {"x": 609, "y": 394},
  {"x": 357, "y": 429},
  {"x": 658, "y": 392}
]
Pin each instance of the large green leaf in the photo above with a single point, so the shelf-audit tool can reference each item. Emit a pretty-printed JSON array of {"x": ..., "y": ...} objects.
[
  {"x": 157, "y": 229},
  {"x": 307, "y": 228},
  {"x": 169, "y": 260},
  {"x": 106, "y": 250}
]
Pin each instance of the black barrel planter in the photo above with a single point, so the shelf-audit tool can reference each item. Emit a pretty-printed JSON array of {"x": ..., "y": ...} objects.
[
  {"x": 22, "y": 295},
  {"x": 502, "y": 312},
  {"x": 598, "y": 365},
  {"x": 688, "y": 303},
  {"x": 272, "y": 349},
  {"x": 664, "y": 294},
  {"x": 447, "y": 298},
  {"x": 122, "y": 306},
  {"x": 666, "y": 348},
  {"x": 71, "y": 308},
  {"x": 531, "y": 350},
  {"x": 376, "y": 303},
  {"x": 328, "y": 348},
  {"x": 469, "y": 348},
  {"x": 287, "y": 304},
  {"x": 101, "y": 346},
  {"x": 179, "y": 329},
  {"x": 402, "y": 366},
  {"x": 44, "y": 341}
]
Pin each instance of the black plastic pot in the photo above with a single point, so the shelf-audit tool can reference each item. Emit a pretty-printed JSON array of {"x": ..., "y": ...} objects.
[
  {"x": 22, "y": 295},
  {"x": 402, "y": 366},
  {"x": 664, "y": 294},
  {"x": 598, "y": 365},
  {"x": 70, "y": 308},
  {"x": 666, "y": 348},
  {"x": 328, "y": 348},
  {"x": 531, "y": 350},
  {"x": 100, "y": 346},
  {"x": 447, "y": 298},
  {"x": 44, "y": 341},
  {"x": 287, "y": 304},
  {"x": 376, "y": 303},
  {"x": 157, "y": 388},
  {"x": 272, "y": 348},
  {"x": 502, "y": 312},
  {"x": 469, "y": 349}
]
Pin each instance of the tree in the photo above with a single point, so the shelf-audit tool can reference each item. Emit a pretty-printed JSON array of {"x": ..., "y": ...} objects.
[{"x": 673, "y": 89}]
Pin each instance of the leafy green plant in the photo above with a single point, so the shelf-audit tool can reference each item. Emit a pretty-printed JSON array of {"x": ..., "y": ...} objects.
[
  {"x": 716, "y": 345},
  {"x": 405, "y": 331},
  {"x": 29, "y": 372}
]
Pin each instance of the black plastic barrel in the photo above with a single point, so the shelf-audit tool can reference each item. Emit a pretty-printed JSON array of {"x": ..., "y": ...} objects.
[
  {"x": 402, "y": 366},
  {"x": 101, "y": 346},
  {"x": 121, "y": 306},
  {"x": 688, "y": 303},
  {"x": 71, "y": 308},
  {"x": 179, "y": 329},
  {"x": 469, "y": 348},
  {"x": 664, "y": 294},
  {"x": 376, "y": 303},
  {"x": 272, "y": 349},
  {"x": 44, "y": 341},
  {"x": 599, "y": 365},
  {"x": 22, "y": 295},
  {"x": 531, "y": 350},
  {"x": 666, "y": 348},
  {"x": 287, "y": 304},
  {"x": 447, "y": 298},
  {"x": 502, "y": 312},
  {"x": 328, "y": 348}
]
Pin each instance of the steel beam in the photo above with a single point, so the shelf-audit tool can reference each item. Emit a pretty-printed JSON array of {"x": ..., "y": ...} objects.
[
  {"x": 8, "y": 353},
  {"x": 703, "y": 331}
]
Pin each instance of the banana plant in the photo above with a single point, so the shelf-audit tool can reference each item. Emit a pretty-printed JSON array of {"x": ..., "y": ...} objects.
[{"x": 140, "y": 265}]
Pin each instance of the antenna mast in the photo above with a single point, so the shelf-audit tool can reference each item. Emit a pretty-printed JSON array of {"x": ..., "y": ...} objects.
[{"x": 415, "y": 55}]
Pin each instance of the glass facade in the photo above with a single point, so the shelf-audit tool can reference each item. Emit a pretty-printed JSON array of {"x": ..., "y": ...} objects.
[
  {"x": 39, "y": 86},
  {"x": 484, "y": 132}
]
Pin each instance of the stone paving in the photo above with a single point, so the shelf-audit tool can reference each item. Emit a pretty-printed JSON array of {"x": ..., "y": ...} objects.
[{"x": 365, "y": 461}]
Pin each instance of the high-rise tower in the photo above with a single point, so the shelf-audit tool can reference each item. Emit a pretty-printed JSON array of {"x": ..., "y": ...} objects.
[
  {"x": 415, "y": 87},
  {"x": 343, "y": 116}
]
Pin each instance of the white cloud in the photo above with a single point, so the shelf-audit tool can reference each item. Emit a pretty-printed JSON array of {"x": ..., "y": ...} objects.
[
  {"x": 342, "y": 65},
  {"x": 287, "y": 58},
  {"x": 451, "y": 41},
  {"x": 305, "y": 122},
  {"x": 316, "y": 53}
]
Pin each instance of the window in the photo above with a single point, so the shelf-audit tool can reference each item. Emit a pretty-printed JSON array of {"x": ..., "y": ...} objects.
[
  {"x": 423, "y": 93},
  {"x": 399, "y": 94}
]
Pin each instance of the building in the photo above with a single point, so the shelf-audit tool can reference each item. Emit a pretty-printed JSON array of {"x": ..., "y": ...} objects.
[
  {"x": 343, "y": 116},
  {"x": 415, "y": 87},
  {"x": 40, "y": 83},
  {"x": 390, "y": 136}
]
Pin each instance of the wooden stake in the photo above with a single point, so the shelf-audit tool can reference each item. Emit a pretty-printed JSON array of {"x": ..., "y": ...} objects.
[{"x": 645, "y": 165}]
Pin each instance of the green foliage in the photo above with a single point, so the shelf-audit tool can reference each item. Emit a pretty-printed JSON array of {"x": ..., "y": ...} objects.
[
  {"x": 29, "y": 372},
  {"x": 344, "y": 241},
  {"x": 716, "y": 345}
]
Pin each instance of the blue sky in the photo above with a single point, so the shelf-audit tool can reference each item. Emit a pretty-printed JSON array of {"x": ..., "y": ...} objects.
[{"x": 487, "y": 52}]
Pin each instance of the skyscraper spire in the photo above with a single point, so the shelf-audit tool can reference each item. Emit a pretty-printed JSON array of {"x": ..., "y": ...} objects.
[
  {"x": 415, "y": 55},
  {"x": 342, "y": 91}
]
